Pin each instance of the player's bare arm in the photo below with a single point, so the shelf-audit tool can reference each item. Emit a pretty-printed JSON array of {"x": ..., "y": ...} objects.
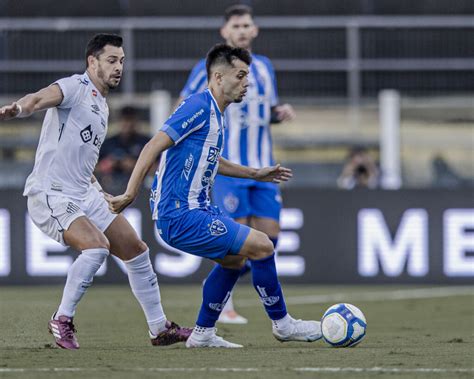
[
  {"x": 274, "y": 174},
  {"x": 149, "y": 155},
  {"x": 45, "y": 98}
]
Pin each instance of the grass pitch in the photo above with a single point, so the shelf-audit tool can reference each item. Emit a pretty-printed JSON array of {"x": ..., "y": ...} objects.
[{"x": 415, "y": 333}]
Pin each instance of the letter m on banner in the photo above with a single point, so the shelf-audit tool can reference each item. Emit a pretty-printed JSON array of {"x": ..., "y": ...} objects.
[{"x": 408, "y": 248}]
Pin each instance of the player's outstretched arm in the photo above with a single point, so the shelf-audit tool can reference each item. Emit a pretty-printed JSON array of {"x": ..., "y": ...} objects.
[
  {"x": 159, "y": 143},
  {"x": 275, "y": 174},
  {"x": 43, "y": 99}
]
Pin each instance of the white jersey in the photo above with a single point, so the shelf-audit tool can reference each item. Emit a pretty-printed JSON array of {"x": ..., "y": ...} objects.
[{"x": 70, "y": 140}]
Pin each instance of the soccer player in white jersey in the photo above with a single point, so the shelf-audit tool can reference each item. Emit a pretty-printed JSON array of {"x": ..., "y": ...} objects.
[
  {"x": 190, "y": 144},
  {"x": 66, "y": 202},
  {"x": 248, "y": 140}
]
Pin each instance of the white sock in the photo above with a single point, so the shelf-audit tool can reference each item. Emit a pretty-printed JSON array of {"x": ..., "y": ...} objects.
[
  {"x": 282, "y": 323},
  {"x": 144, "y": 284},
  {"x": 229, "y": 306},
  {"x": 79, "y": 279}
]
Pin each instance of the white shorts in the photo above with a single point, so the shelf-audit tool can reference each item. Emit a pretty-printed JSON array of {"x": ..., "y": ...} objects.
[{"x": 53, "y": 214}]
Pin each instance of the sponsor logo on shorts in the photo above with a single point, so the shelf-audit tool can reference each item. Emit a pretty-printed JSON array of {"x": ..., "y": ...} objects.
[
  {"x": 218, "y": 228},
  {"x": 231, "y": 203}
]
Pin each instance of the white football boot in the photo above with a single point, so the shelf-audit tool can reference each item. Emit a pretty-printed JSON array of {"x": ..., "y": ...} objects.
[
  {"x": 289, "y": 329},
  {"x": 206, "y": 337}
]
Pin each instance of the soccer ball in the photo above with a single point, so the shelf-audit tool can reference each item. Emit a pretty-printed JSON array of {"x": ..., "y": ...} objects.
[{"x": 343, "y": 325}]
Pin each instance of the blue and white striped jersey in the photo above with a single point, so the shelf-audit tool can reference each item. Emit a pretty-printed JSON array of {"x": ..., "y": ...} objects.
[
  {"x": 247, "y": 140},
  {"x": 188, "y": 168}
]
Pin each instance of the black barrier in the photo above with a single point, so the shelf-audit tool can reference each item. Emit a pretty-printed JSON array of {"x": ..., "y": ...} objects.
[{"x": 328, "y": 236}]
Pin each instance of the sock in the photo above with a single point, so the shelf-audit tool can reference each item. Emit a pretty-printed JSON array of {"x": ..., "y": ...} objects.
[
  {"x": 265, "y": 281},
  {"x": 144, "y": 284},
  {"x": 79, "y": 279},
  {"x": 274, "y": 241},
  {"x": 215, "y": 293}
]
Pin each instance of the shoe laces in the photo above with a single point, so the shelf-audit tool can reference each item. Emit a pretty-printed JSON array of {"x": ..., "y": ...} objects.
[{"x": 67, "y": 329}]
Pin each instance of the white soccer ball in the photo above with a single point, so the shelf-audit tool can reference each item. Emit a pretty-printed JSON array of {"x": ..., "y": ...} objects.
[{"x": 343, "y": 325}]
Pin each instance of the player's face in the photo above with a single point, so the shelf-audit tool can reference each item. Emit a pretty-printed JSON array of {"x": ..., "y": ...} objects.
[
  {"x": 235, "y": 81},
  {"x": 110, "y": 66},
  {"x": 239, "y": 31}
]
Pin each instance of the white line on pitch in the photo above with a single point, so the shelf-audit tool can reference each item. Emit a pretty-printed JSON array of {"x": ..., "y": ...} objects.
[
  {"x": 422, "y": 293},
  {"x": 249, "y": 369}
]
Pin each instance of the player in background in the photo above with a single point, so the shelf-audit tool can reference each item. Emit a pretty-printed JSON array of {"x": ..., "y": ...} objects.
[
  {"x": 190, "y": 146},
  {"x": 248, "y": 139},
  {"x": 66, "y": 202}
]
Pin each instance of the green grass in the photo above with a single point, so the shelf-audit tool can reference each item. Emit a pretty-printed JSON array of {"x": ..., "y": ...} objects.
[{"x": 402, "y": 334}]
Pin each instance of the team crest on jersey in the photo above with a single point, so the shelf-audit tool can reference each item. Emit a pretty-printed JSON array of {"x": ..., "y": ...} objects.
[
  {"x": 218, "y": 228},
  {"x": 213, "y": 154},
  {"x": 86, "y": 134}
]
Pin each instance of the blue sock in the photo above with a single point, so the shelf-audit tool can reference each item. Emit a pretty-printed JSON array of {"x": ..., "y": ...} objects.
[
  {"x": 215, "y": 292},
  {"x": 265, "y": 281},
  {"x": 274, "y": 241}
]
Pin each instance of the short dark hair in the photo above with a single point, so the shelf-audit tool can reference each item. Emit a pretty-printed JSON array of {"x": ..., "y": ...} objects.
[
  {"x": 129, "y": 112},
  {"x": 237, "y": 10},
  {"x": 222, "y": 53},
  {"x": 96, "y": 45}
]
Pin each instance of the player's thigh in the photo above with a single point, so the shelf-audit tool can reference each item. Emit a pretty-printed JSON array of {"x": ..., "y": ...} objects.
[
  {"x": 64, "y": 220},
  {"x": 257, "y": 245},
  {"x": 124, "y": 241},
  {"x": 82, "y": 234},
  {"x": 265, "y": 204},
  {"x": 232, "y": 198},
  {"x": 205, "y": 233}
]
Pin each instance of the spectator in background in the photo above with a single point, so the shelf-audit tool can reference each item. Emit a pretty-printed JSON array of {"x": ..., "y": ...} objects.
[
  {"x": 120, "y": 153},
  {"x": 360, "y": 171}
]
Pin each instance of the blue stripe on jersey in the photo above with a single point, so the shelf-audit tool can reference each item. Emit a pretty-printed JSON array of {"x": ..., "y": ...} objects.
[
  {"x": 188, "y": 168},
  {"x": 245, "y": 120}
]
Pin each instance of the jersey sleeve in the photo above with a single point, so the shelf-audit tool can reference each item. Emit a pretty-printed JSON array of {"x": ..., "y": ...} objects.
[
  {"x": 197, "y": 80},
  {"x": 274, "y": 92},
  {"x": 190, "y": 116},
  {"x": 71, "y": 89}
]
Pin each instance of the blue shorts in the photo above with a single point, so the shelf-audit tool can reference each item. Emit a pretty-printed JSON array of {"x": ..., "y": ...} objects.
[
  {"x": 203, "y": 232},
  {"x": 244, "y": 198}
]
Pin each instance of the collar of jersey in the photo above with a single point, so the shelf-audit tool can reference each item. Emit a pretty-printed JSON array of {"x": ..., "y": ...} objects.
[{"x": 215, "y": 102}]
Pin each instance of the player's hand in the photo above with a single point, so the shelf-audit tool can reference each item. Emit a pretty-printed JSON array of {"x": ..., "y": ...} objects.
[
  {"x": 8, "y": 112},
  {"x": 118, "y": 203},
  {"x": 285, "y": 112},
  {"x": 274, "y": 174}
]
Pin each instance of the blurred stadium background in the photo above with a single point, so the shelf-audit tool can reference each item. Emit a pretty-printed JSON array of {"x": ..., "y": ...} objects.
[
  {"x": 393, "y": 77},
  {"x": 334, "y": 62}
]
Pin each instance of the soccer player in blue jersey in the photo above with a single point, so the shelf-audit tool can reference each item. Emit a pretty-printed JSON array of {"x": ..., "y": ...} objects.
[
  {"x": 190, "y": 144},
  {"x": 248, "y": 139}
]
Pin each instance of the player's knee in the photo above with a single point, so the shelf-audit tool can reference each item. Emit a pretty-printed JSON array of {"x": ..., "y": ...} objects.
[
  {"x": 96, "y": 241},
  {"x": 262, "y": 248},
  {"x": 136, "y": 248},
  {"x": 235, "y": 264}
]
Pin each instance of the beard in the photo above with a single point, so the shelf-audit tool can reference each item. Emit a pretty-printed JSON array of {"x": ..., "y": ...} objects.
[{"x": 108, "y": 82}]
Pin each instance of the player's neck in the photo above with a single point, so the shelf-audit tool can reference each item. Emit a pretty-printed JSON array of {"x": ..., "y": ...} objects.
[
  {"x": 219, "y": 98},
  {"x": 104, "y": 90}
]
